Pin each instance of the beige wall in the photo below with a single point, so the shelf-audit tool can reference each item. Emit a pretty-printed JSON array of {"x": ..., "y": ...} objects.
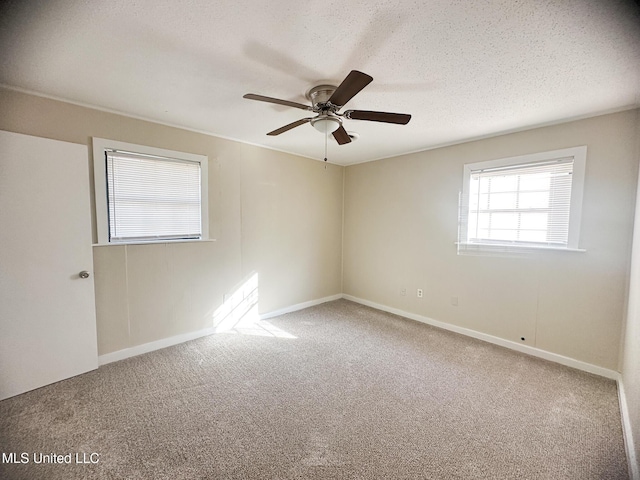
[
  {"x": 281, "y": 216},
  {"x": 631, "y": 338},
  {"x": 270, "y": 212},
  {"x": 401, "y": 224}
]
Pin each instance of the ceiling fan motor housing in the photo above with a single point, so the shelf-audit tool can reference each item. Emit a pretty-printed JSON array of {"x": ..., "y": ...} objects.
[
  {"x": 327, "y": 122},
  {"x": 319, "y": 96}
]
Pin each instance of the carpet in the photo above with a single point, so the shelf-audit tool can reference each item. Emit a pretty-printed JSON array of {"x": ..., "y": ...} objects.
[{"x": 336, "y": 391}]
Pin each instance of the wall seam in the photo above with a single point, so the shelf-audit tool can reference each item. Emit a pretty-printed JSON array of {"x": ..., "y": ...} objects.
[
  {"x": 344, "y": 174},
  {"x": 126, "y": 290}
]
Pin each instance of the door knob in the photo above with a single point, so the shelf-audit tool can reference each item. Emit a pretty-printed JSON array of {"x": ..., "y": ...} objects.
[{"x": 84, "y": 274}]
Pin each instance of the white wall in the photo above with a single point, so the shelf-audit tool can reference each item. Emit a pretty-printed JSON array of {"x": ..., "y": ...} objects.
[
  {"x": 631, "y": 339},
  {"x": 401, "y": 224},
  {"x": 270, "y": 212}
]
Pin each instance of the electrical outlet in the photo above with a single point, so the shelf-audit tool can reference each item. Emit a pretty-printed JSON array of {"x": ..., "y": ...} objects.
[
  {"x": 454, "y": 301},
  {"x": 420, "y": 293},
  {"x": 403, "y": 292}
]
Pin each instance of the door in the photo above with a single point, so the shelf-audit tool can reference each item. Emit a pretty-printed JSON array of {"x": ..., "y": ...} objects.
[{"x": 47, "y": 310}]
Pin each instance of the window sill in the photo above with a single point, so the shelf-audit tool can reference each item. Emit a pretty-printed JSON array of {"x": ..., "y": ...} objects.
[
  {"x": 501, "y": 248},
  {"x": 156, "y": 242}
]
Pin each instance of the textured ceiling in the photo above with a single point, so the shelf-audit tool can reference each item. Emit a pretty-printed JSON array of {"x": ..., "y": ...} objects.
[{"x": 463, "y": 69}]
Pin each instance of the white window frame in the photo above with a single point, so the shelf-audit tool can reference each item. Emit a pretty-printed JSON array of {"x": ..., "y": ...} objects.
[
  {"x": 101, "y": 146},
  {"x": 579, "y": 155}
]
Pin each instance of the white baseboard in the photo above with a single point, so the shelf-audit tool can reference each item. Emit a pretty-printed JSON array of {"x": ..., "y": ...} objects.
[
  {"x": 151, "y": 346},
  {"x": 536, "y": 352},
  {"x": 185, "y": 337},
  {"x": 300, "y": 306},
  {"x": 632, "y": 459}
]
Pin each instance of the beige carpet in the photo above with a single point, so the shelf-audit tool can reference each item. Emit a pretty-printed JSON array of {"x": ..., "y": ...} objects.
[{"x": 357, "y": 394}]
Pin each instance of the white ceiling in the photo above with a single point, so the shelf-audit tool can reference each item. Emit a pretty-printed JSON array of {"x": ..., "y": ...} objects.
[{"x": 463, "y": 69}]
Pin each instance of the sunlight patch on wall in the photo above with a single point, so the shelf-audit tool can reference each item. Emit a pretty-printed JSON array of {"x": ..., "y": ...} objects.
[{"x": 239, "y": 313}]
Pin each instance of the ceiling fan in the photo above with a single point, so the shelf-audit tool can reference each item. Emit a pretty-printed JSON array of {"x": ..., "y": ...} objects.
[{"x": 326, "y": 101}]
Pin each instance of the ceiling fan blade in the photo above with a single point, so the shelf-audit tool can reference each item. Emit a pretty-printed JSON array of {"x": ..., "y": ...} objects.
[
  {"x": 399, "y": 118},
  {"x": 341, "y": 136},
  {"x": 262, "y": 98},
  {"x": 350, "y": 86},
  {"x": 289, "y": 127}
]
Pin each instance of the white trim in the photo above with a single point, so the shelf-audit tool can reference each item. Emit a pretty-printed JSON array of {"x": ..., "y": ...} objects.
[
  {"x": 536, "y": 352},
  {"x": 151, "y": 346},
  {"x": 526, "y": 128},
  {"x": 551, "y": 123},
  {"x": 100, "y": 145},
  {"x": 180, "y": 240},
  {"x": 177, "y": 125},
  {"x": 627, "y": 433},
  {"x": 185, "y": 337},
  {"x": 506, "y": 247},
  {"x": 300, "y": 306}
]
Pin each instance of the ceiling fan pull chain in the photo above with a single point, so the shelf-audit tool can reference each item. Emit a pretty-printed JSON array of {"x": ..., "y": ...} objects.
[{"x": 326, "y": 134}]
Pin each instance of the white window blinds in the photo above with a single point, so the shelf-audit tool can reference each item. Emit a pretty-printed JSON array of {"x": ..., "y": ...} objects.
[
  {"x": 152, "y": 198},
  {"x": 525, "y": 204}
]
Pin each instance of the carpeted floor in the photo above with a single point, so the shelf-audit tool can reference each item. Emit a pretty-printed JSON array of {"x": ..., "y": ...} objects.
[{"x": 358, "y": 393}]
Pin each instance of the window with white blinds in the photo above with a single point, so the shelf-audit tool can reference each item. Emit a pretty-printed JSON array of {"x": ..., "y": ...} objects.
[
  {"x": 531, "y": 201},
  {"x": 152, "y": 197},
  {"x": 149, "y": 195}
]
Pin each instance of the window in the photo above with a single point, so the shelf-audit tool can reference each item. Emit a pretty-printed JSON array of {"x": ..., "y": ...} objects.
[
  {"x": 145, "y": 194},
  {"x": 529, "y": 201}
]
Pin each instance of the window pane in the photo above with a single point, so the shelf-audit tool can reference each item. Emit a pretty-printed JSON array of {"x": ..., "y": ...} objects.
[
  {"x": 474, "y": 186},
  {"x": 484, "y": 220},
  {"x": 483, "y": 185},
  {"x": 502, "y": 201},
  {"x": 499, "y": 235},
  {"x": 533, "y": 221},
  {"x": 534, "y": 200},
  {"x": 539, "y": 181},
  {"x": 483, "y": 201},
  {"x": 472, "y": 227},
  {"x": 533, "y": 236},
  {"x": 504, "y": 221},
  {"x": 504, "y": 183}
]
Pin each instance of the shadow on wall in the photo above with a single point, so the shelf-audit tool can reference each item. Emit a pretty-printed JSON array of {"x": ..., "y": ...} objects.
[{"x": 238, "y": 314}]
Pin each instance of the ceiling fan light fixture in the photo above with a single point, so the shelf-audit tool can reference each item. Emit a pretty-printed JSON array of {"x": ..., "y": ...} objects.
[{"x": 326, "y": 124}]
